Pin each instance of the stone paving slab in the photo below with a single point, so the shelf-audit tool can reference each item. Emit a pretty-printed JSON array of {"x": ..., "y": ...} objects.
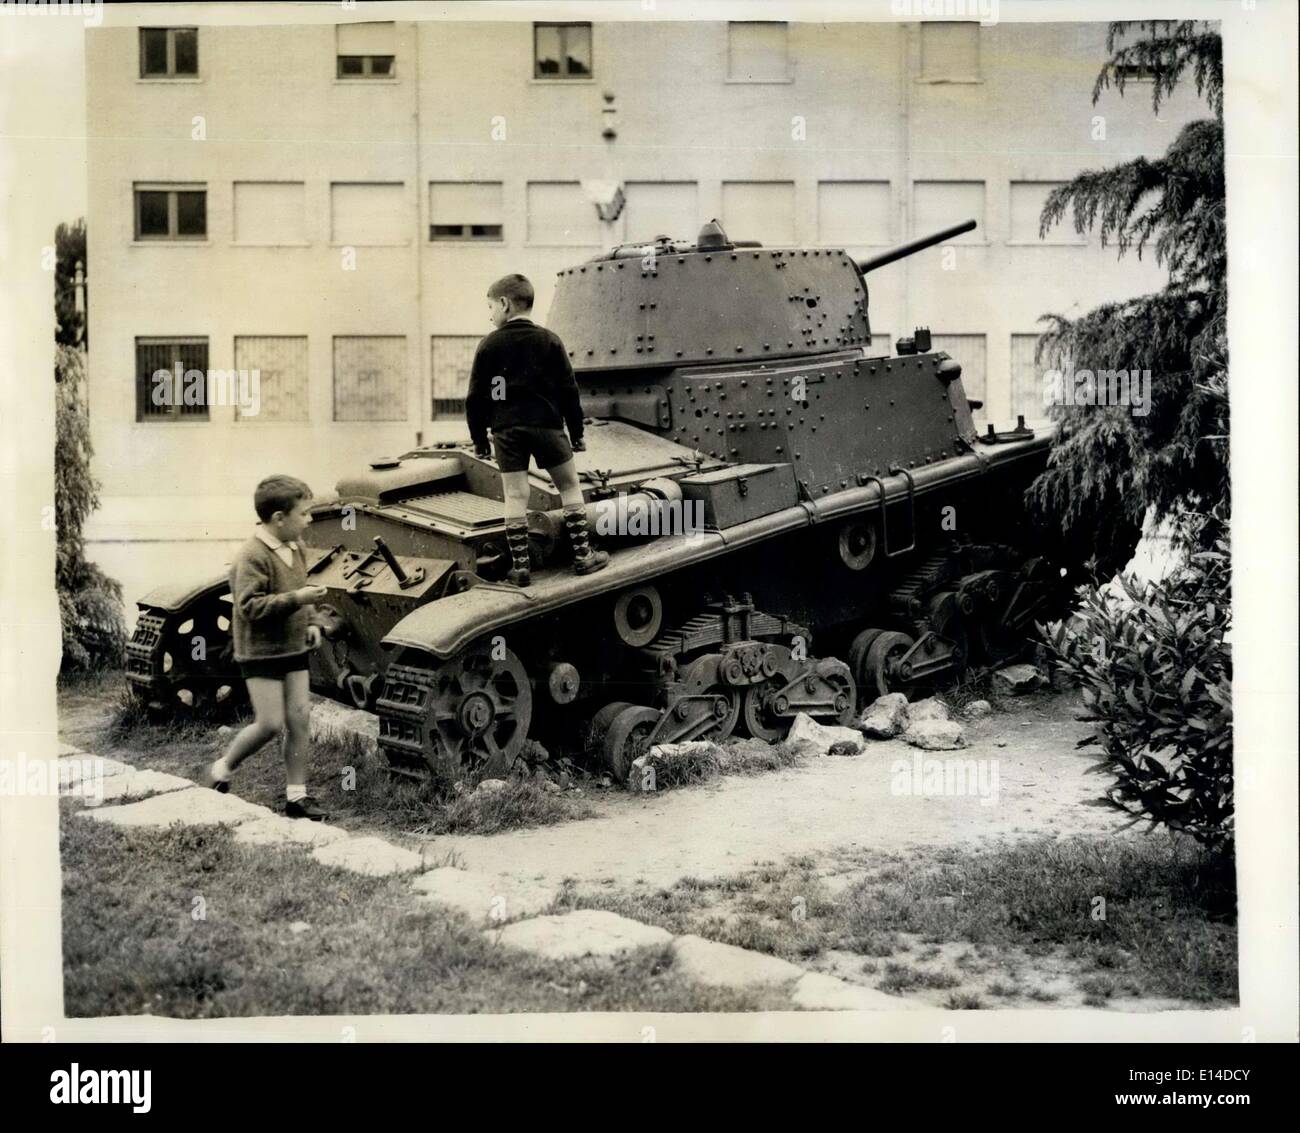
[
  {"x": 726, "y": 965},
  {"x": 280, "y": 831},
  {"x": 484, "y": 899},
  {"x": 72, "y": 770},
  {"x": 136, "y": 783},
  {"x": 583, "y": 932},
  {"x": 196, "y": 806},
  {"x": 369, "y": 855},
  {"x": 70, "y": 750},
  {"x": 819, "y": 992}
]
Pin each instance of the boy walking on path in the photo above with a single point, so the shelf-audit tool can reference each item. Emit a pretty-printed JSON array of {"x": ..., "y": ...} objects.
[
  {"x": 274, "y": 627},
  {"x": 523, "y": 389}
]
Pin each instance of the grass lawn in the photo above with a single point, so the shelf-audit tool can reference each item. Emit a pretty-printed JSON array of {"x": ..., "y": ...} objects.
[
  {"x": 1013, "y": 925},
  {"x": 350, "y": 782},
  {"x": 133, "y": 943}
]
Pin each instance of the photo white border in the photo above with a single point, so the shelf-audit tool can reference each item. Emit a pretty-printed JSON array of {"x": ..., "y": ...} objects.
[{"x": 1260, "y": 124}]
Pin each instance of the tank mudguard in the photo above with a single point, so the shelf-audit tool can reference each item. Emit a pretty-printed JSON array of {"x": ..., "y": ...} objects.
[{"x": 173, "y": 597}]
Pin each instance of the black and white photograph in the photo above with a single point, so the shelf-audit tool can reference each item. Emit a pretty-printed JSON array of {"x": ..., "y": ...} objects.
[{"x": 647, "y": 521}]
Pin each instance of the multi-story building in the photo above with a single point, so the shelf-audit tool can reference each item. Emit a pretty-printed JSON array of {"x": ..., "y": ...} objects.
[{"x": 326, "y": 205}]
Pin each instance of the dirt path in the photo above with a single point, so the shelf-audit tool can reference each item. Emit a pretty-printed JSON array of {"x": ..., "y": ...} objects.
[{"x": 826, "y": 805}]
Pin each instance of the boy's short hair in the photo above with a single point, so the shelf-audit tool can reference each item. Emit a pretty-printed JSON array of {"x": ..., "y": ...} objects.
[
  {"x": 514, "y": 287},
  {"x": 278, "y": 493}
]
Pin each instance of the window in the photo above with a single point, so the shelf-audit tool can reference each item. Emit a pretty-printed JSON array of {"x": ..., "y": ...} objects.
[
  {"x": 941, "y": 204},
  {"x": 758, "y": 52},
  {"x": 368, "y": 214},
  {"x": 950, "y": 52},
  {"x": 171, "y": 212},
  {"x": 660, "y": 208},
  {"x": 370, "y": 378},
  {"x": 453, "y": 357},
  {"x": 465, "y": 210},
  {"x": 759, "y": 210},
  {"x": 1027, "y": 200},
  {"x": 171, "y": 377},
  {"x": 971, "y": 351},
  {"x": 559, "y": 213},
  {"x": 562, "y": 51},
  {"x": 366, "y": 51},
  {"x": 853, "y": 213},
  {"x": 1027, "y": 387},
  {"x": 280, "y": 362},
  {"x": 167, "y": 53},
  {"x": 270, "y": 212}
]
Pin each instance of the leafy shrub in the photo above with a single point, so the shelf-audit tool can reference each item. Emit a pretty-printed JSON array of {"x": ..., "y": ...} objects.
[
  {"x": 90, "y": 603},
  {"x": 1155, "y": 666}
]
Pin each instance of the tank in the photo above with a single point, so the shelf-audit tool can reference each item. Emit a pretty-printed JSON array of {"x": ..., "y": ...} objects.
[{"x": 796, "y": 523}]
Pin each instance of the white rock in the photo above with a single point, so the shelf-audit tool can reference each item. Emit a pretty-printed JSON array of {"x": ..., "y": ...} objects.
[
  {"x": 484, "y": 899},
  {"x": 69, "y": 749},
  {"x": 490, "y": 787},
  {"x": 928, "y": 709},
  {"x": 74, "y": 770},
  {"x": 371, "y": 856},
  {"x": 132, "y": 784},
  {"x": 196, "y": 806},
  {"x": 1016, "y": 679},
  {"x": 811, "y": 738},
  {"x": 332, "y": 722},
  {"x": 299, "y": 927},
  {"x": 725, "y": 965},
  {"x": 885, "y": 717},
  {"x": 280, "y": 831},
  {"x": 977, "y": 709},
  {"x": 583, "y": 932},
  {"x": 936, "y": 735},
  {"x": 819, "y": 992}
]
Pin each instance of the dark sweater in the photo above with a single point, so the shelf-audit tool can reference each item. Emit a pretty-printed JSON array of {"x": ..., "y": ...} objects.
[
  {"x": 540, "y": 388},
  {"x": 267, "y": 621}
]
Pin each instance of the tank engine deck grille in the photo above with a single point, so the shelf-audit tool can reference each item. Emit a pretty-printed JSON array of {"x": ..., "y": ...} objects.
[{"x": 462, "y": 508}]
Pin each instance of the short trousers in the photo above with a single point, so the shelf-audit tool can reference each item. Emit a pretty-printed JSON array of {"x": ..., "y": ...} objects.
[
  {"x": 516, "y": 443},
  {"x": 273, "y": 668}
]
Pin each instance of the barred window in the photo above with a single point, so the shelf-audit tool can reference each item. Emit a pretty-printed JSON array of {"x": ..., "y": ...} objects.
[
  {"x": 280, "y": 364},
  {"x": 1027, "y": 389},
  {"x": 453, "y": 358},
  {"x": 370, "y": 378},
  {"x": 854, "y": 213},
  {"x": 759, "y": 210},
  {"x": 971, "y": 351},
  {"x": 171, "y": 379}
]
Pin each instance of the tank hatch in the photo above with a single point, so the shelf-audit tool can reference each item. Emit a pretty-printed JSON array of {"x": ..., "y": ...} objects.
[{"x": 665, "y": 303}]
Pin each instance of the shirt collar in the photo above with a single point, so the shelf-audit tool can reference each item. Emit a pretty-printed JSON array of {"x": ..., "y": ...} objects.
[{"x": 270, "y": 540}]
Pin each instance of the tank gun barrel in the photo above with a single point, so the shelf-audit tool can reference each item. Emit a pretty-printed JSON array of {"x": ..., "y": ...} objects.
[{"x": 913, "y": 246}]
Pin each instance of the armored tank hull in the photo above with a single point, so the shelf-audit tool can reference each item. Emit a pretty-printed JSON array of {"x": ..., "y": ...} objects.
[{"x": 795, "y": 524}]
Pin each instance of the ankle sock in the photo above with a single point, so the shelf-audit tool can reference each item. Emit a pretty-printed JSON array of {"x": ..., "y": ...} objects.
[
  {"x": 295, "y": 792},
  {"x": 220, "y": 770}
]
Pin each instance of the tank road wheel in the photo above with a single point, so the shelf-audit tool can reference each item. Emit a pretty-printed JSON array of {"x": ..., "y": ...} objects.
[
  {"x": 183, "y": 660},
  {"x": 997, "y": 644},
  {"x": 627, "y": 738},
  {"x": 879, "y": 675},
  {"x": 470, "y": 713},
  {"x": 600, "y": 722},
  {"x": 858, "y": 665},
  {"x": 756, "y": 711},
  {"x": 726, "y": 714}
]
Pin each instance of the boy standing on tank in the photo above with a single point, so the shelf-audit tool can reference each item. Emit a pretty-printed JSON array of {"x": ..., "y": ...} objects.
[
  {"x": 522, "y": 388},
  {"x": 273, "y": 628}
]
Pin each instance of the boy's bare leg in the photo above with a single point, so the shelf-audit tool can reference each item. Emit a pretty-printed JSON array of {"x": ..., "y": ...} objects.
[
  {"x": 565, "y": 478},
  {"x": 297, "y": 727},
  {"x": 267, "y": 697},
  {"x": 515, "y": 487}
]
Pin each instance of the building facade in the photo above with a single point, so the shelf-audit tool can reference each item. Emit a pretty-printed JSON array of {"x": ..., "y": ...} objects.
[{"x": 326, "y": 205}]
